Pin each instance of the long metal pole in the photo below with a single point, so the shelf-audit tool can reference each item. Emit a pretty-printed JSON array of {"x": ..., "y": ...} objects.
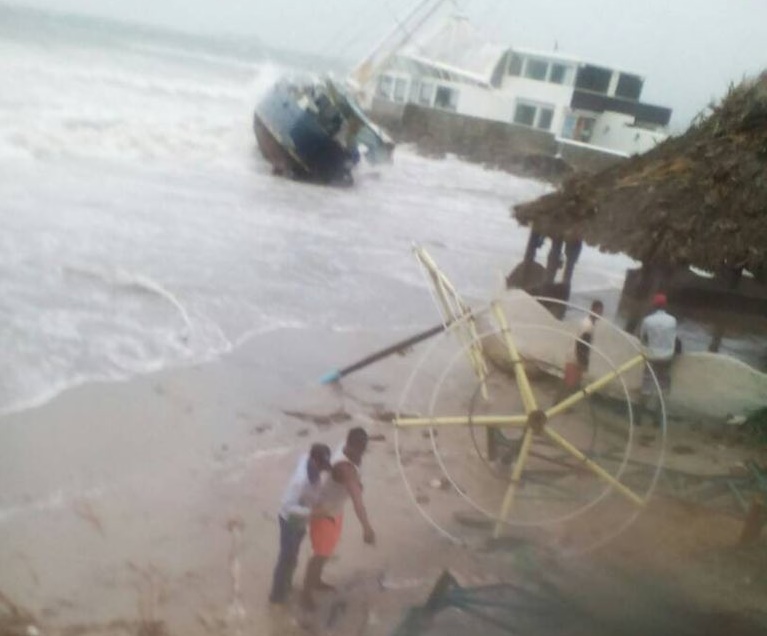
[
  {"x": 462, "y": 420},
  {"x": 365, "y": 69}
]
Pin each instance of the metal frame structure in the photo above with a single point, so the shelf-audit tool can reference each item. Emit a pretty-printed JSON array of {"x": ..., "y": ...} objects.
[{"x": 535, "y": 421}]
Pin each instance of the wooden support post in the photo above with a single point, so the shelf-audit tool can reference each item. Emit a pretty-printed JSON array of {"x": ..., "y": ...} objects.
[
  {"x": 732, "y": 279},
  {"x": 554, "y": 260},
  {"x": 572, "y": 253}
]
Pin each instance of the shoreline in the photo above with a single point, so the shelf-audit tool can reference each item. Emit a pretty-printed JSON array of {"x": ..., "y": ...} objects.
[{"x": 689, "y": 330}]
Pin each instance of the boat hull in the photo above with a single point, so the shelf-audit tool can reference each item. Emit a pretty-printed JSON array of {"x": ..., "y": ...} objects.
[{"x": 297, "y": 143}]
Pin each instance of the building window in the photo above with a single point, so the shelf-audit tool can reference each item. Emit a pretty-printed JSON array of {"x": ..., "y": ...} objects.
[
  {"x": 629, "y": 87},
  {"x": 545, "y": 117},
  {"x": 425, "y": 94},
  {"x": 536, "y": 69},
  {"x": 558, "y": 74},
  {"x": 446, "y": 98},
  {"x": 594, "y": 79},
  {"x": 384, "y": 86},
  {"x": 534, "y": 115},
  {"x": 524, "y": 115},
  {"x": 515, "y": 64},
  {"x": 400, "y": 89}
]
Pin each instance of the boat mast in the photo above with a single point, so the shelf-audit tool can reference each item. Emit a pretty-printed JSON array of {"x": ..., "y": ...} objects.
[{"x": 421, "y": 13}]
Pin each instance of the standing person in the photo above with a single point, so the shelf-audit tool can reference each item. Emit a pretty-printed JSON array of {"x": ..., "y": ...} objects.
[
  {"x": 658, "y": 336},
  {"x": 575, "y": 370},
  {"x": 586, "y": 335},
  {"x": 297, "y": 502},
  {"x": 327, "y": 517}
]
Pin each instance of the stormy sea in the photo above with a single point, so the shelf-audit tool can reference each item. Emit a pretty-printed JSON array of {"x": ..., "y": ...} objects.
[{"x": 141, "y": 229}]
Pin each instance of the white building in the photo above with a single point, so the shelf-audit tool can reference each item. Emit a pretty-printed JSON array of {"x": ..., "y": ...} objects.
[{"x": 454, "y": 68}]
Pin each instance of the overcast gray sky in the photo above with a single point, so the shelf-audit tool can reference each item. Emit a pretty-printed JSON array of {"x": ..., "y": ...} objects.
[{"x": 690, "y": 50}]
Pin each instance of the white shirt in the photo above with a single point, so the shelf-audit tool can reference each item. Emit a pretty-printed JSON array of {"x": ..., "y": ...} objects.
[
  {"x": 585, "y": 327},
  {"x": 301, "y": 494},
  {"x": 658, "y": 336}
]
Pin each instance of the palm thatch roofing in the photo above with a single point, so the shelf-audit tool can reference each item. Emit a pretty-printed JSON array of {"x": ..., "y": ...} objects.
[{"x": 698, "y": 199}]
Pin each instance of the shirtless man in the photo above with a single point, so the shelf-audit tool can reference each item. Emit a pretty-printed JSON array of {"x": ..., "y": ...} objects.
[{"x": 326, "y": 521}]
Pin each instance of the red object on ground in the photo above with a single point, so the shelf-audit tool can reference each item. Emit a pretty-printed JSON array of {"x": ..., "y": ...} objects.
[{"x": 573, "y": 374}]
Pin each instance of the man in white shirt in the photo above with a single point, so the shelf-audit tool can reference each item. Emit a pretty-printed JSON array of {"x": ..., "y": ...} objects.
[
  {"x": 300, "y": 497},
  {"x": 658, "y": 335},
  {"x": 586, "y": 335}
]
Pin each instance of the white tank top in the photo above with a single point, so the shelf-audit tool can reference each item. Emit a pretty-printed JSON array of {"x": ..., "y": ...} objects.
[{"x": 333, "y": 495}]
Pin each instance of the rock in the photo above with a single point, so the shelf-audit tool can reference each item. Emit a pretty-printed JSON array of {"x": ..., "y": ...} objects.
[{"x": 473, "y": 520}]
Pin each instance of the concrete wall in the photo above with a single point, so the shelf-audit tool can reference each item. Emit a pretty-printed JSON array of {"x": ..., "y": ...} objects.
[
  {"x": 472, "y": 136},
  {"x": 387, "y": 113},
  {"x": 518, "y": 149},
  {"x": 584, "y": 159}
]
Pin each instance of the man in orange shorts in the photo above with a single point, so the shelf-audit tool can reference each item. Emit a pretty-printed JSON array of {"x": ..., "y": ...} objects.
[{"x": 327, "y": 518}]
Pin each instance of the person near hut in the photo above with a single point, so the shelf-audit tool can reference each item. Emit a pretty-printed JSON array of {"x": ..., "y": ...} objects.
[
  {"x": 579, "y": 365},
  {"x": 586, "y": 335},
  {"x": 658, "y": 335},
  {"x": 300, "y": 497}
]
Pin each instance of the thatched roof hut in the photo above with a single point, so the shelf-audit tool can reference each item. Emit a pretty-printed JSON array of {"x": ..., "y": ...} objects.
[{"x": 698, "y": 199}]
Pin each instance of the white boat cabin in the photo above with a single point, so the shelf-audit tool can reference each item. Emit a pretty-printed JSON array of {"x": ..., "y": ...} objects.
[{"x": 578, "y": 102}]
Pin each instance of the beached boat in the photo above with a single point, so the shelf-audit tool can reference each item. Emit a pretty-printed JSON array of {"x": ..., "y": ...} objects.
[{"x": 314, "y": 130}]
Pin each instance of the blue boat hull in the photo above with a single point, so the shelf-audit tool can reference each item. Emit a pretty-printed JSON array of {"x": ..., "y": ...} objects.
[{"x": 297, "y": 142}]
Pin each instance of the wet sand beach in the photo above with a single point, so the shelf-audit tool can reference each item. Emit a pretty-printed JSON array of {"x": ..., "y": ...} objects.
[{"x": 153, "y": 502}]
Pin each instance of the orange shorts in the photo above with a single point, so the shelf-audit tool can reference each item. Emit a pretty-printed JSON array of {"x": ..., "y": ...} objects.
[{"x": 325, "y": 533}]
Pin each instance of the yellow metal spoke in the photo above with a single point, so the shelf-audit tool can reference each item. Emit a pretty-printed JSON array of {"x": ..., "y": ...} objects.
[
  {"x": 528, "y": 397},
  {"x": 431, "y": 266},
  {"x": 454, "y": 309},
  {"x": 593, "y": 387},
  {"x": 593, "y": 466},
  {"x": 477, "y": 355},
  {"x": 516, "y": 475},
  {"x": 495, "y": 421}
]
